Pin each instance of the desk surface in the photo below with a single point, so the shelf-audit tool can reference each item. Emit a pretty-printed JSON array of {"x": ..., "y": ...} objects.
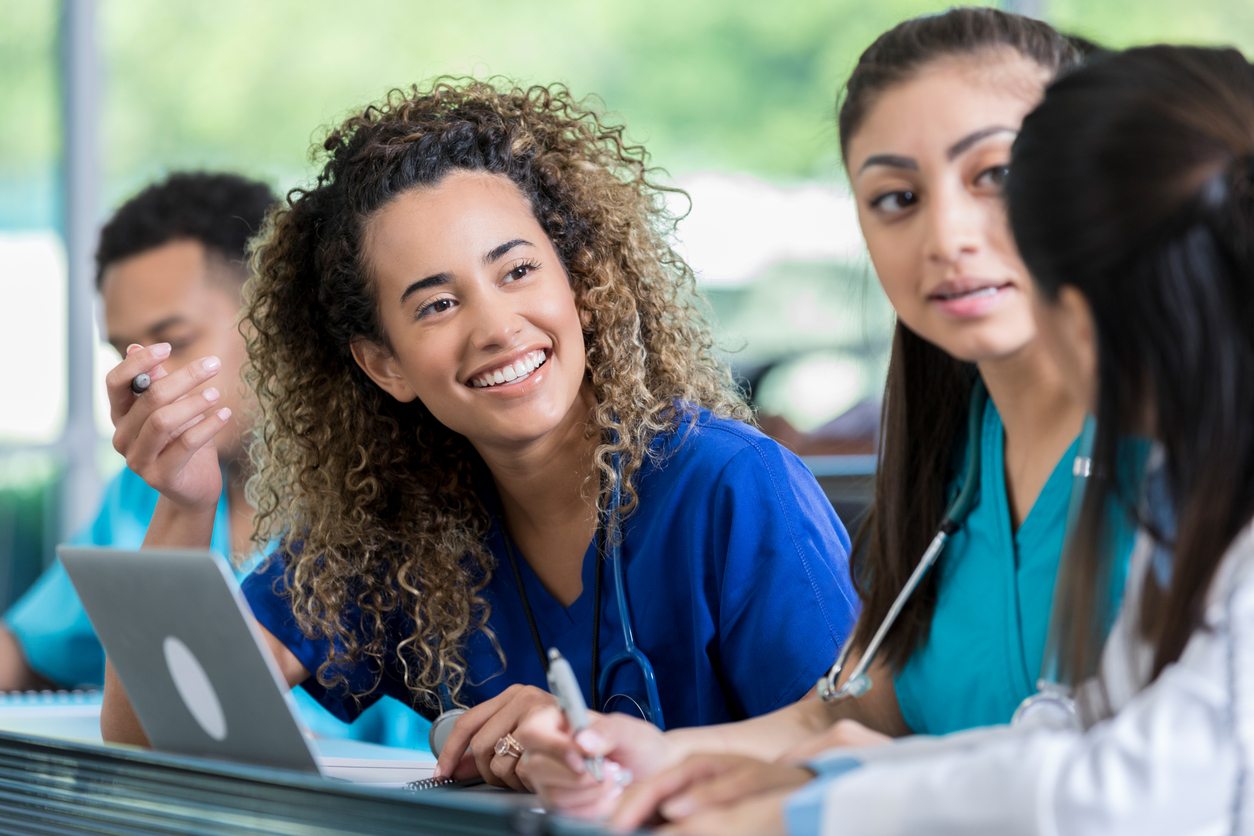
[
  {"x": 57, "y": 777},
  {"x": 67, "y": 787}
]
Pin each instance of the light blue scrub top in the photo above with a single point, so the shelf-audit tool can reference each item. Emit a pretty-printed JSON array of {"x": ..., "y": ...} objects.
[
  {"x": 57, "y": 637},
  {"x": 995, "y": 590}
]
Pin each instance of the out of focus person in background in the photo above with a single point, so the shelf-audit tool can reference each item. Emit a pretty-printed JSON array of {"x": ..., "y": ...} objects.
[{"x": 170, "y": 268}]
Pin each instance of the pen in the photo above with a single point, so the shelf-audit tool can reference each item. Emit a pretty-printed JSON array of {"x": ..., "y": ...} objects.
[
  {"x": 140, "y": 383},
  {"x": 565, "y": 687}
]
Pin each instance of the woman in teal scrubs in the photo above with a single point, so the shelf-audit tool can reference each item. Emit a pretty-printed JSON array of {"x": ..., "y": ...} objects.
[{"x": 926, "y": 125}]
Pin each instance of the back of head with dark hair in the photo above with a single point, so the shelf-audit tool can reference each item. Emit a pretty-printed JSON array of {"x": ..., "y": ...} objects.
[
  {"x": 925, "y": 400},
  {"x": 1133, "y": 182},
  {"x": 221, "y": 211}
]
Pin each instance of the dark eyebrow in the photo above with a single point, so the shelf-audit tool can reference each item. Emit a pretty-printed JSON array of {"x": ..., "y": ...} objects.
[
  {"x": 168, "y": 322},
  {"x": 152, "y": 330},
  {"x": 972, "y": 138},
  {"x": 497, "y": 252},
  {"x": 891, "y": 160},
  {"x": 423, "y": 284}
]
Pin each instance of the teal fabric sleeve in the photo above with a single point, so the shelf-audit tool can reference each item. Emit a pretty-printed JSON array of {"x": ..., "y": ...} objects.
[{"x": 49, "y": 622}]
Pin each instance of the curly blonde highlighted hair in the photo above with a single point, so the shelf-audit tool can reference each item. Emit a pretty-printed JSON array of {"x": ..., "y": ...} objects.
[{"x": 380, "y": 496}]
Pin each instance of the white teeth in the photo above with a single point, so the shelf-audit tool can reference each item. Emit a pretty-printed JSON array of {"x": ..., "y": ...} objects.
[
  {"x": 982, "y": 291},
  {"x": 520, "y": 369}
]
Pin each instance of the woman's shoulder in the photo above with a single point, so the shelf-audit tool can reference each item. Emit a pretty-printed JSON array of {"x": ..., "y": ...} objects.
[{"x": 716, "y": 448}]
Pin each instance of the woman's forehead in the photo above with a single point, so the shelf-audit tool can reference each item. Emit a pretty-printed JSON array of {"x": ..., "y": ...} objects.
[
  {"x": 945, "y": 102},
  {"x": 457, "y": 217}
]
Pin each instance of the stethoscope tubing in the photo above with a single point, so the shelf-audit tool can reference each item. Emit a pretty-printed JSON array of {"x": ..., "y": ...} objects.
[
  {"x": 630, "y": 652},
  {"x": 859, "y": 682}
]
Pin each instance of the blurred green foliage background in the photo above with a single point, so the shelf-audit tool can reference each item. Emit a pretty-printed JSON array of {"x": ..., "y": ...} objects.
[
  {"x": 740, "y": 89},
  {"x": 706, "y": 84}
]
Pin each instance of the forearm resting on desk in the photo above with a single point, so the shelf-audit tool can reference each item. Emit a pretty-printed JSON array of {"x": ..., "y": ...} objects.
[
  {"x": 16, "y": 674},
  {"x": 118, "y": 723},
  {"x": 777, "y": 734}
]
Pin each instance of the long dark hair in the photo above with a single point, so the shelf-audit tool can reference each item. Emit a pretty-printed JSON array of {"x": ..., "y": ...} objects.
[
  {"x": 1134, "y": 183},
  {"x": 925, "y": 401}
]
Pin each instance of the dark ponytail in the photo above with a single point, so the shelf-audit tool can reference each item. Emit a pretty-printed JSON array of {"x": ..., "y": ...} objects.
[
  {"x": 925, "y": 401},
  {"x": 1134, "y": 183}
]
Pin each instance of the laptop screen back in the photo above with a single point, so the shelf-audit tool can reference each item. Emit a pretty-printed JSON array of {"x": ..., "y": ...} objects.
[{"x": 190, "y": 655}]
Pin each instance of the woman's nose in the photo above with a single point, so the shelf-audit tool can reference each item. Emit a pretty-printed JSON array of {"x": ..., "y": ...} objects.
[
  {"x": 955, "y": 227},
  {"x": 496, "y": 323}
]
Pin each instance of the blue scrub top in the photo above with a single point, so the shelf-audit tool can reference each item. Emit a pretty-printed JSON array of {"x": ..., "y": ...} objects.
[
  {"x": 995, "y": 591},
  {"x": 60, "y": 645},
  {"x": 737, "y": 580}
]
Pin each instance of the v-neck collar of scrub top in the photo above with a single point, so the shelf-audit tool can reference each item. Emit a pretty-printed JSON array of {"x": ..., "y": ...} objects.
[
  {"x": 1037, "y": 526},
  {"x": 548, "y": 611}
]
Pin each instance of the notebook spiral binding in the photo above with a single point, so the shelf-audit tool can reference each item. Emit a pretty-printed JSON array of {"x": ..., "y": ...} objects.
[{"x": 442, "y": 784}]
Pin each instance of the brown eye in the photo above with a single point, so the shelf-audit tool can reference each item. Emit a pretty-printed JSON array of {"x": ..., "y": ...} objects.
[
  {"x": 995, "y": 176},
  {"x": 520, "y": 271},
  {"x": 435, "y": 306},
  {"x": 893, "y": 202}
]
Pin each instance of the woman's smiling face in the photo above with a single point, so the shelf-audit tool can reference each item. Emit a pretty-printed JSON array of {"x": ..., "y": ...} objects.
[
  {"x": 926, "y": 167},
  {"x": 477, "y": 308}
]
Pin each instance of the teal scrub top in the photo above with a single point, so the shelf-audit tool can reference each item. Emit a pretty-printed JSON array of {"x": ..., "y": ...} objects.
[
  {"x": 53, "y": 629},
  {"x": 995, "y": 590}
]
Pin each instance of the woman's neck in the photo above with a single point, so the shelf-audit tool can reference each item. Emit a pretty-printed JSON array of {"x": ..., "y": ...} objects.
[
  {"x": 547, "y": 498},
  {"x": 1039, "y": 417}
]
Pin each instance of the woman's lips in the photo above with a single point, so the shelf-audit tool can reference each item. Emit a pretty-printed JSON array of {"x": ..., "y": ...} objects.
[{"x": 967, "y": 300}]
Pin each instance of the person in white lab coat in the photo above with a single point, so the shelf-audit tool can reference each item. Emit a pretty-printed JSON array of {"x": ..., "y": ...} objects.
[{"x": 1131, "y": 195}]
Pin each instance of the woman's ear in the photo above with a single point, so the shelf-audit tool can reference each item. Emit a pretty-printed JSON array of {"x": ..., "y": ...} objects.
[{"x": 380, "y": 365}]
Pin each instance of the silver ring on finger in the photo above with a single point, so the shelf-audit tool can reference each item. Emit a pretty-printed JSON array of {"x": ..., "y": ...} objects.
[{"x": 508, "y": 747}]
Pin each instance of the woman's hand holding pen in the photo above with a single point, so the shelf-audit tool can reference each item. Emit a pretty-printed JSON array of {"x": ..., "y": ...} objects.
[
  {"x": 166, "y": 433},
  {"x": 553, "y": 760}
]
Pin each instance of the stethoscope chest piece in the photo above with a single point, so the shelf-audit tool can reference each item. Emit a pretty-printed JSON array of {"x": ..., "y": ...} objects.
[
  {"x": 441, "y": 727},
  {"x": 1051, "y": 707}
]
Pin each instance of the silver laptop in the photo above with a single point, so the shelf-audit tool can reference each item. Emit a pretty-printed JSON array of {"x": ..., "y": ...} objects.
[{"x": 201, "y": 680}]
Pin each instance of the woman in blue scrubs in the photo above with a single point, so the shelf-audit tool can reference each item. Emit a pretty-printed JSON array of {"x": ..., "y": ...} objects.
[
  {"x": 926, "y": 125},
  {"x": 467, "y": 340}
]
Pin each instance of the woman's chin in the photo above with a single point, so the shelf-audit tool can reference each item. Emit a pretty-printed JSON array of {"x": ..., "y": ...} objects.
[{"x": 985, "y": 340}]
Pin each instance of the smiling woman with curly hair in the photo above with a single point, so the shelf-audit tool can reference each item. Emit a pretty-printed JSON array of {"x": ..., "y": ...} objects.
[{"x": 481, "y": 370}]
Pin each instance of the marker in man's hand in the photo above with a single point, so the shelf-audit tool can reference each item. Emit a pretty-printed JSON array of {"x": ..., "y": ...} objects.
[{"x": 141, "y": 381}]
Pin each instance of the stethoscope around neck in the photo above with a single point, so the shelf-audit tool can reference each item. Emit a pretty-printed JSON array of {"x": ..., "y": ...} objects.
[
  {"x": 1052, "y": 704},
  {"x": 609, "y": 549}
]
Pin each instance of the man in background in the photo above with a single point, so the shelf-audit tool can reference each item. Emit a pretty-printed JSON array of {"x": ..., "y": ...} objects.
[{"x": 170, "y": 267}]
